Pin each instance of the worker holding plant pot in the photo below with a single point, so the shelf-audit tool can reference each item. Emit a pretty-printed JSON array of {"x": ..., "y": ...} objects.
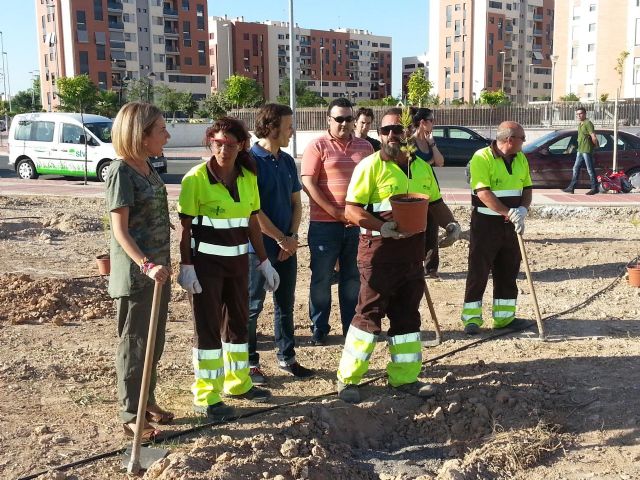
[
  {"x": 501, "y": 196},
  {"x": 389, "y": 261}
]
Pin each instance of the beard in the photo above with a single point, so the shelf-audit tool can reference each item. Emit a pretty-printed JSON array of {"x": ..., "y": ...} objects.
[{"x": 392, "y": 151}]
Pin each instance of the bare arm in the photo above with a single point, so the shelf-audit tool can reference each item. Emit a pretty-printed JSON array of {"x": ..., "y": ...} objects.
[
  {"x": 255, "y": 237},
  {"x": 296, "y": 207},
  {"x": 359, "y": 216},
  {"x": 438, "y": 159},
  {"x": 527, "y": 196},
  {"x": 310, "y": 186},
  {"x": 185, "y": 240},
  {"x": 442, "y": 213},
  {"x": 594, "y": 139},
  {"x": 120, "y": 227}
]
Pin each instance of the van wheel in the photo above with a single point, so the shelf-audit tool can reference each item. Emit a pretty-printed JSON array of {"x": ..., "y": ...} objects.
[
  {"x": 103, "y": 169},
  {"x": 26, "y": 170}
]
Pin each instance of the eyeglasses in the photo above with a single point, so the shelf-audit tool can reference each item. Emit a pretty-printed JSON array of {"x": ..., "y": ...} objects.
[
  {"x": 341, "y": 119},
  {"x": 523, "y": 138},
  {"x": 219, "y": 144},
  {"x": 396, "y": 129}
]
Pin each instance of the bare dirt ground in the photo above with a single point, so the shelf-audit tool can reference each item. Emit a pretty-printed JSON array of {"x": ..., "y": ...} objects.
[{"x": 507, "y": 407}]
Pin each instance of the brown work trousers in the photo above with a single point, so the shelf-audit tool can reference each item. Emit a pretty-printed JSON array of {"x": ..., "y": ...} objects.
[
  {"x": 493, "y": 248},
  {"x": 221, "y": 311},
  {"x": 394, "y": 290}
]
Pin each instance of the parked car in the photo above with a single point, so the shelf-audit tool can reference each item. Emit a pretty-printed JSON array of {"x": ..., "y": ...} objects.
[
  {"x": 458, "y": 144},
  {"x": 54, "y": 143},
  {"x": 551, "y": 157}
]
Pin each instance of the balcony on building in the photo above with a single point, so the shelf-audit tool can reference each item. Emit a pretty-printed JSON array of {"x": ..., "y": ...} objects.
[
  {"x": 169, "y": 12},
  {"x": 171, "y": 48},
  {"x": 116, "y": 25},
  {"x": 118, "y": 64},
  {"x": 170, "y": 30},
  {"x": 282, "y": 52},
  {"x": 537, "y": 32},
  {"x": 171, "y": 65},
  {"x": 508, "y": 44},
  {"x": 116, "y": 45},
  {"x": 538, "y": 16},
  {"x": 114, "y": 6}
]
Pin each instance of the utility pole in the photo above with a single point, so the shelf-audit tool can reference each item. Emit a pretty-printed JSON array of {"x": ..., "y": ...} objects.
[
  {"x": 292, "y": 80},
  {"x": 321, "y": 68}
]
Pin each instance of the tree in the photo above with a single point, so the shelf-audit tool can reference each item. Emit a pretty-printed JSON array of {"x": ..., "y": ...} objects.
[
  {"x": 187, "y": 103},
  {"x": 167, "y": 99},
  {"x": 107, "y": 104},
  {"x": 27, "y": 100},
  {"x": 418, "y": 88},
  {"x": 214, "y": 106},
  {"x": 493, "y": 98},
  {"x": 604, "y": 97},
  {"x": 570, "y": 97},
  {"x": 304, "y": 96},
  {"x": 619, "y": 68},
  {"x": 243, "y": 91},
  {"x": 139, "y": 90}
]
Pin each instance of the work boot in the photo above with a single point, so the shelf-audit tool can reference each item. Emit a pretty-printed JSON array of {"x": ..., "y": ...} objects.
[
  {"x": 593, "y": 191},
  {"x": 297, "y": 370},
  {"x": 255, "y": 394},
  {"x": 471, "y": 329},
  {"x": 567, "y": 190},
  {"x": 256, "y": 375},
  {"x": 348, "y": 392},
  {"x": 319, "y": 339},
  {"x": 519, "y": 324},
  {"x": 419, "y": 389},
  {"x": 217, "y": 411}
]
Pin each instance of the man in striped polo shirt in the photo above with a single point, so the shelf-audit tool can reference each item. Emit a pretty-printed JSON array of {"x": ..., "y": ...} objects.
[
  {"x": 327, "y": 165},
  {"x": 501, "y": 196}
]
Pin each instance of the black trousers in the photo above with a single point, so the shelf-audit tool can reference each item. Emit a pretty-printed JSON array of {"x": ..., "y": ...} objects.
[{"x": 431, "y": 249}]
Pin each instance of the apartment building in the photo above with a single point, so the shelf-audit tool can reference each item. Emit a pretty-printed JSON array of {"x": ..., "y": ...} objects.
[
  {"x": 485, "y": 44},
  {"x": 333, "y": 63},
  {"x": 410, "y": 65},
  {"x": 589, "y": 36},
  {"x": 114, "y": 41}
]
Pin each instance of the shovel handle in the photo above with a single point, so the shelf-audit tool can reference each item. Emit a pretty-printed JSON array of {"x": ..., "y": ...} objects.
[
  {"x": 523, "y": 252},
  {"x": 134, "y": 463},
  {"x": 432, "y": 312}
]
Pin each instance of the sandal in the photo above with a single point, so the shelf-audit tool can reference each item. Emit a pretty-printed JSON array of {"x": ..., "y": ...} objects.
[
  {"x": 149, "y": 434},
  {"x": 161, "y": 416}
]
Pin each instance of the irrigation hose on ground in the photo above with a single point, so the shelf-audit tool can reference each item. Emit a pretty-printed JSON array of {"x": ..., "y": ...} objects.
[{"x": 256, "y": 412}]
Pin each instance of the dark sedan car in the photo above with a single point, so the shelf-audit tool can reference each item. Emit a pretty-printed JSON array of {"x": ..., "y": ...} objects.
[
  {"x": 551, "y": 157},
  {"x": 458, "y": 144}
]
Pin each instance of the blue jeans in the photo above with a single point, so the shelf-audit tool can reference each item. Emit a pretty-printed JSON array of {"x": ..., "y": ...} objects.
[
  {"x": 587, "y": 159},
  {"x": 329, "y": 242},
  {"x": 283, "y": 299}
]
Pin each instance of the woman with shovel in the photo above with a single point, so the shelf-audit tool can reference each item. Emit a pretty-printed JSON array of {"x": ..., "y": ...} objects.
[{"x": 136, "y": 198}]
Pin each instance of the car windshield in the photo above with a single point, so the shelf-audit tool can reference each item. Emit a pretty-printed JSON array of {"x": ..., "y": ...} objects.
[
  {"x": 538, "y": 142},
  {"x": 102, "y": 130}
]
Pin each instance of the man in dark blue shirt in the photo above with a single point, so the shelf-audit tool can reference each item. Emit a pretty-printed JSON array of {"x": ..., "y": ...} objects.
[{"x": 279, "y": 217}]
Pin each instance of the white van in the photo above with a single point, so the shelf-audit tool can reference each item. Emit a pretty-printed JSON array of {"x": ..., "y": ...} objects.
[{"x": 53, "y": 144}]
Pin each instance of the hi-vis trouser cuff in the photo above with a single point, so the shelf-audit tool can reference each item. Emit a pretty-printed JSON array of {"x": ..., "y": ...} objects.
[
  {"x": 236, "y": 368},
  {"x": 406, "y": 359},
  {"x": 472, "y": 313},
  {"x": 504, "y": 312},
  {"x": 208, "y": 367},
  {"x": 358, "y": 347}
]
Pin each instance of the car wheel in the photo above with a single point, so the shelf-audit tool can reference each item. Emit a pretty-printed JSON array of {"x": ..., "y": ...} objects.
[
  {"x": 26, "y": 170},
  {"x": 103, "y": 169}
]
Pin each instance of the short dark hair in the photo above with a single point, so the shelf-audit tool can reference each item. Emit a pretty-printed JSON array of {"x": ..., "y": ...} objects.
[
  {"x": 367, "y": 112},
  {"x": 392, "y": 111},
  {"x": 419, "y": 114},
  {"x": 339, "y": 102},
  {"x": 269, "y": 118},
  {"x": 237, "y": 128},
  {"x": 581, "y": 109}
]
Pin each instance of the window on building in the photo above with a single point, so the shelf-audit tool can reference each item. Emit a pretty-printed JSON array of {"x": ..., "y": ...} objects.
[
  {"x": 637, "y": 42},
  {"x": 185, "y": 5},
  {"x": 98, "y": 13},
  {"x": 592, "y": 7},
  {"x": 200, "y": 17},
  {"x": 84, "y": 62},
  {"x": 202, "y": 55},
  {"x": 456, "y": 62},
  {"x": 592, "y": 27},
  {"x": 100, "y": 52},
  {"x": 186, "y": 33},
  {"x": 591, "y": 47},
  {"x": 81, "y": 20},
  {"x": 448, "y": 15},
  {"x": 102, "y": 80},
  {"x": 447, "y": 50}
]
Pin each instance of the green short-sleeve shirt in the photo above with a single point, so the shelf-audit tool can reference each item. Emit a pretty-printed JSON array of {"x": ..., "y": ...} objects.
[
  {"x": 585, "y": 144},
  {"x": 146, "y": 198}
]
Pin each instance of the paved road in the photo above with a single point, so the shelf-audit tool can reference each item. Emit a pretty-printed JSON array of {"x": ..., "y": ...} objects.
[{"x": 449, "y": 177}]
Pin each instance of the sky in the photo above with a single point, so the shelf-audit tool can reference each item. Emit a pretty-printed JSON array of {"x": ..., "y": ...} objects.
[{"x": 404, "y": 20}]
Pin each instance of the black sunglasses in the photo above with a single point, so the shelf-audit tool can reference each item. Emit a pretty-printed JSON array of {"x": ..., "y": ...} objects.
[
  {"x": 341, "y": 119},
  {"x": 396, "y": 129}
]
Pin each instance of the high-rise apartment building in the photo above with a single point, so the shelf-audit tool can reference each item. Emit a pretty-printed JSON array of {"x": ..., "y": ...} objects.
[
  {"x": 492, "y": 45},
  {"x": 114, "y": 41},
  {"x": 589, "y": 36},
  {"x": 333, "y": 63},
  {"x": 410, "y": 65}
]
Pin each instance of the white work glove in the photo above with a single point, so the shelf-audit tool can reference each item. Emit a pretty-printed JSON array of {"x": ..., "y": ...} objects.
[
  {"x": 453, "y": 234},
  {"x": 388, "y": 230},
  {"x": 271, "y": 277},
  {"x": 188, "y": 280},
  {"x": 517, "y": 216}
]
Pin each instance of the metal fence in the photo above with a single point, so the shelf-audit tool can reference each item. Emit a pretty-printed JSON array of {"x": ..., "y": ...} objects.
[{"x": 554, "y": 115}]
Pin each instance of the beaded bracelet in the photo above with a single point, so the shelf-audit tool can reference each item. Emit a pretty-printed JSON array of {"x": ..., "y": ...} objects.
[{"x": 146, "y": 266}]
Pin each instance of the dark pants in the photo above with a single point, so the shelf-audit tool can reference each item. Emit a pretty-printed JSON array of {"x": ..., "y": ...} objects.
[
  {"x": 493, "y": 248},
  {"x": 221, "y": 312},
  {"x": 394, "y": 290},
  {"x": 133, "y": 314},
  {"x": 283, "y": 299},
  {"x": 431, "y": 250},
  {"x": 330, "y": 242},
  {"x": 587, "y": 159}
]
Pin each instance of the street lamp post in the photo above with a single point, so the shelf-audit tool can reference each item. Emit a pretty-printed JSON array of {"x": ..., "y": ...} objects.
[
  {"x": 149, "y": 86},
  {"x": 34, "y": 73},
  {"x": 123, "y": 84},
  {"x": 503, "y": 53},
  {"x": 228, "y": 25},
  {"x": 6, "y": 74},
  {"x": 636, "y": 67},
  {"x": 321, "y": 68},
  {"x": 554, "y": 59}
]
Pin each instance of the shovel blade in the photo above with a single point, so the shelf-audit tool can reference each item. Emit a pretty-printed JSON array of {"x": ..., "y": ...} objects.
[{"x": 148, "y": 456}]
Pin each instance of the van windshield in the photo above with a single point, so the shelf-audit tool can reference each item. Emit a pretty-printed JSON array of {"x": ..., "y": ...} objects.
[{"x": 102, "y": 130}]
